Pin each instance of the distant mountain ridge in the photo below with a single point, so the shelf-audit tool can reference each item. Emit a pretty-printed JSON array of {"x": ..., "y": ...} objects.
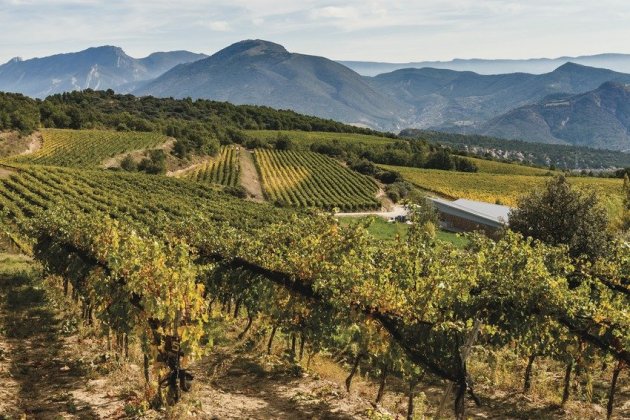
[
  {"x": 615, "y": 62},
  {"x": 264, "y": 73},
  {"x": 106, "y": 67},
  {"x": 599, "y": 118},
  {"x": 461, "y": 101},
  {"x": 259, "y": 72}
]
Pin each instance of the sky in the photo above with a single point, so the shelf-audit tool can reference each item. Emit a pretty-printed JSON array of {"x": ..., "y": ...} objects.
[{"x": 369, "y": 30}]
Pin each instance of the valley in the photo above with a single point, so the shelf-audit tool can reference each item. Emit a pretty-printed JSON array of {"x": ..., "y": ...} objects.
[{"x": 182, "y": 260}]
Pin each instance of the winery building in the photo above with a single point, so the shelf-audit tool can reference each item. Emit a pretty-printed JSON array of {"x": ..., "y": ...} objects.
[{"x": 467, "y": 215}]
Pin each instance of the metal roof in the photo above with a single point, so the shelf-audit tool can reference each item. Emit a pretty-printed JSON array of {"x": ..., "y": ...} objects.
[{"x": 486, "y": 213}]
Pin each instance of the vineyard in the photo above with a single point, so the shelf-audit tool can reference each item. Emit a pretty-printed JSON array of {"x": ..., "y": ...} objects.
[
  {"x": 148, "y": 257},
  {"x": 305, "y": 138},
  {"x": 307, "y": 179},
  {"x": 88, "y": 148},
  {"x": 499, "y": 187},
  {"x": 494, "y": 167},
  {"x": 223, "y": 169},
  {"x": 159, "y": 267}
]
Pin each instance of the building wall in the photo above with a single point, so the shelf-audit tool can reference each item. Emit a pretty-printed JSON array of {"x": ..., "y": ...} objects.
[{"x": 465, "y": 225}]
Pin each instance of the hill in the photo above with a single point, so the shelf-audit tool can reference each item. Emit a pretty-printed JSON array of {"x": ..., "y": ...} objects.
[
  {"x": 104, "y": 67},
  {"x": 87, "y": 148},
  {"x": 599, "y": 118},
  {"x": 158, "y": 286},
  {"x": 461, "y": 101},
  {"x": 307, "y": 138},
  {"x": 263, "y": 73},
  {"x": 559, "y": 155}
]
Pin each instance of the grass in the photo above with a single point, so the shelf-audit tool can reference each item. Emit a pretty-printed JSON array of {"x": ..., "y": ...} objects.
[
  {"x": 12, "y": 264},
  {"x": 306, "y": 138},
  {"x": 382, "y": 230}
]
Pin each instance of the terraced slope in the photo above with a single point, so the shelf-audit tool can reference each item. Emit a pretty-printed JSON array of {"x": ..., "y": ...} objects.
[
  {"x": 88, "y": 148},
  {"x": 307, "y": 179}
]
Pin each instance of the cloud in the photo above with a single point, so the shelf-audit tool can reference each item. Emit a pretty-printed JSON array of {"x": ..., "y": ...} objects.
[
  {"x": 334, "y": 13},
  {"x": 390, "y": 30},
  {"x": 218, "y": 25}
]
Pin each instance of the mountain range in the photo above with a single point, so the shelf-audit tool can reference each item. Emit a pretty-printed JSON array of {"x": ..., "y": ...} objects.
[
  {"x": 95, "y": 68},
  {"x": 263, "y": 73},
  {"x": 599, "y": 118},
  {"x": 462, "y": 101},
  {"x": 515, "y": 105},
  {"x": 616, "y": 62}
]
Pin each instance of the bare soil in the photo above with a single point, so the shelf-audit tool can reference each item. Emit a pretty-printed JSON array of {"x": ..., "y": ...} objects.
[
  {"x": 196, "y": 162},
  {"x": 51, "y": 367},
  {"x": 48, "y": 371},
  {"x": 250, "y": 179},
  {"x": 137, "y": 155},
  {"x": 13, "y": 143},
  {"x": 36, "y": 142},
  {"x": 5, "y": 172}
]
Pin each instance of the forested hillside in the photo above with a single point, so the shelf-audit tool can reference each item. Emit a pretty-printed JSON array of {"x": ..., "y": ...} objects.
[{"x": 560, "y": 156}]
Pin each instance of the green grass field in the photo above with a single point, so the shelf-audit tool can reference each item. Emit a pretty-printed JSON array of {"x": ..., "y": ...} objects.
[
  {"x": 306, "y": 138},
  {"x": 88, "y": 148},
  {"x": 381, "y": 230}
]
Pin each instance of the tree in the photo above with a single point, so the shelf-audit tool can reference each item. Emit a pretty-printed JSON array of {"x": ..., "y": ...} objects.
[
  {"x": 562, "y": 215},
  {"x": 155, "y": 163},
  {"x": 283, "y": 142},
  {"x": 129, "y": 164}
]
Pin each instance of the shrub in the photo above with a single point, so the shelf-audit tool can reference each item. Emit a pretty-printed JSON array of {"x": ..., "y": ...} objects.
[
  {"x": 129, "y": 164},
  {"x": 562, "y": 215}
]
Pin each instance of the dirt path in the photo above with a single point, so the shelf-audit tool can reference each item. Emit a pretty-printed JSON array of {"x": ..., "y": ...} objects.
[
  {"x": 36, "y": 143},
  {"x": 250, "y": 180},
  {"x": 178, "y": 172},
  {"x": 245, "y": 386},
  {"x": 5, "y": 172},
  {"x": 45, "y": 372}
]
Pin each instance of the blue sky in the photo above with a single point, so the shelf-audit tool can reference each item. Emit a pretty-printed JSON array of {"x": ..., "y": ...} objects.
[{"x": 376, "y": 30}]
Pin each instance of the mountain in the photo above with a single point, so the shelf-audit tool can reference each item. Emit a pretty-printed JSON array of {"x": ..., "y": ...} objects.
[
  {"x": 616, "y": 62},
  {"x": 599, "y": 118},
  {"x": 96, "y": 68},
  {"x": 259, "y": 72},
  {"x": 461, "y": 101}
]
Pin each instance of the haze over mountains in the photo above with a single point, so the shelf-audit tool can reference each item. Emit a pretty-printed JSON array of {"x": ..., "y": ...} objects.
[
  {"x": 616, "y": 62},
  {"x": 591, "y": 111},
  {"x": 104, "y": 67},
  {"x": 599, "y": 118}
]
